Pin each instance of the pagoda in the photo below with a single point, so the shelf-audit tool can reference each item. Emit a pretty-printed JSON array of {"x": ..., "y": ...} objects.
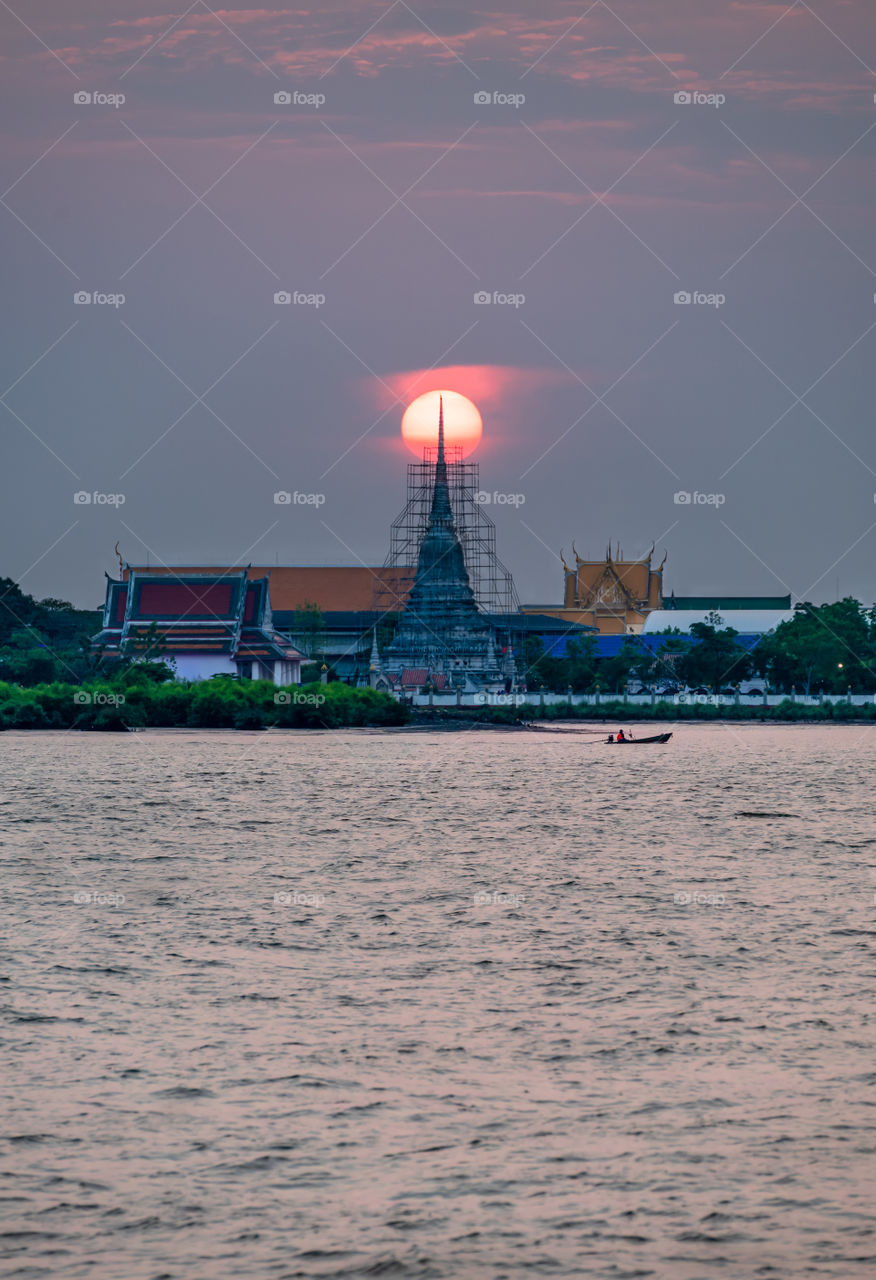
[{"x": 442, "y": 637}]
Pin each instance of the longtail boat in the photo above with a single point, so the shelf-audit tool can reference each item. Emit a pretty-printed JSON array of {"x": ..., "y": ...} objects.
[{"x": 636, "y": 742}]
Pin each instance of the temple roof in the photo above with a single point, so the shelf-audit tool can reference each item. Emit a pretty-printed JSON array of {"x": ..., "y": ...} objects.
[
  {"x": 414, "y": 677},
  {"x": 201, "y": 613},
  {"x": 329, "y": 587}
]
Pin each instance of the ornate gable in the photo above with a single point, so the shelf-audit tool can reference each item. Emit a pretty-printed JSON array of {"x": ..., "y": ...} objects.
[{"x": 607, "y": 592}]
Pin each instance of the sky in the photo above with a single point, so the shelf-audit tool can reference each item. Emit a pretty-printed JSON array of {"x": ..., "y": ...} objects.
[{"x": 585, "y": 168}]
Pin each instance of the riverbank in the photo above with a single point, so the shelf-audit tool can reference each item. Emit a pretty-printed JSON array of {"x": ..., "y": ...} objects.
[
  {"x": 212, "y": 704},
  {"x": 232, "y": 704},
  {"x": 787, "y": 711}
]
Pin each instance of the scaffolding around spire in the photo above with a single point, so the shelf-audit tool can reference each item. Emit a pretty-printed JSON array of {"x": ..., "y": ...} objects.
[{"x": 491, "y": 582}]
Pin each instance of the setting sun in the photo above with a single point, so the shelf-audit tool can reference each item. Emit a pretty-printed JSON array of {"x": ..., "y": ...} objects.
[{"x": 462, "y": 422}]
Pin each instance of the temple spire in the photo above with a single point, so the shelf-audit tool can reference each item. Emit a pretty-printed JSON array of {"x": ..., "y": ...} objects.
[
  {"x": 441, "y": 509},
  {"x": 442, "y": 631}
]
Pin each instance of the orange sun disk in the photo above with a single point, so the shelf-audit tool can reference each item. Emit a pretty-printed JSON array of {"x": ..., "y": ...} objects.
[{"x": 463, "y": 425}]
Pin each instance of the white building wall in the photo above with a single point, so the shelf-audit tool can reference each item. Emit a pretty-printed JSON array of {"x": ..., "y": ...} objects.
[
  {"x": 745, "y": 621},
  {"x": 200, "y": 666}
]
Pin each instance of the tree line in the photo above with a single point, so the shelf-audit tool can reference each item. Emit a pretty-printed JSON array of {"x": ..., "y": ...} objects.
[{"x": 827, "y": 648}]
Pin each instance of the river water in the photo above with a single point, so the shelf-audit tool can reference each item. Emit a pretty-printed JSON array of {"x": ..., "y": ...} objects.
[{"x": 487, "y": 1004}]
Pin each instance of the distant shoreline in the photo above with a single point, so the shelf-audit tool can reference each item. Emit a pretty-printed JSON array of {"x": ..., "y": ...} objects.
[
  {"x": 666, "y": 713},
  {"x": 136, "y": 702}
]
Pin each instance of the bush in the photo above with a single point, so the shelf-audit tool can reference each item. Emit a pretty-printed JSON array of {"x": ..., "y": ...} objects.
[
  {"x": 333, "y": 706},
  {"x": 248, "y": 717},
  {"x": 30, "y": 715}
]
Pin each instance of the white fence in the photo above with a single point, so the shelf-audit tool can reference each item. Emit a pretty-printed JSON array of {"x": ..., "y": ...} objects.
[{"x": 595, "y": 700}]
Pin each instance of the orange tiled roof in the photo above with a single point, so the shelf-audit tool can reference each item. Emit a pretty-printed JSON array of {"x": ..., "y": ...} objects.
[{"x": 333, "y": 589}]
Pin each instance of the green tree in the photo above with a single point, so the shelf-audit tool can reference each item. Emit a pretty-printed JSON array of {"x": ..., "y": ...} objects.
[
  {"x": 581, "y": 662},
  {"x": 715, "y": 659},
  {"x": 17, "y": 610},
  {"x": 668, "y": 659},
  {"x": 829, "y": 647},
  {"x": 616, "y": 671},
  {"x": 309, "y": 630}
]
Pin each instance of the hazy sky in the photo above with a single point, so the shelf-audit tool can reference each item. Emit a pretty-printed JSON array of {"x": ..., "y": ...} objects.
[{"x": 597, "y": 197}]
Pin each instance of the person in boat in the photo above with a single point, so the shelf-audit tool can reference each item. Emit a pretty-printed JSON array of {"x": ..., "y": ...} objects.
[{"x": 620, "y": 736}]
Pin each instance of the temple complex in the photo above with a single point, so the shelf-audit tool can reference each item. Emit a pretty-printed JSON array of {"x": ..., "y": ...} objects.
[{"x": 613, "y": 595}]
